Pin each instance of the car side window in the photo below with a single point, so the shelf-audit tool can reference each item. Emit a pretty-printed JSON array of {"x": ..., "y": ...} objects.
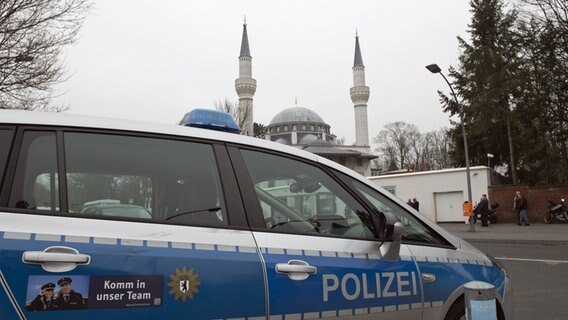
[
  {"x": 414, "y": 230},
  {"x": 5, "y": 143},
  {"x": 120, "y": 176},
  {"x": 297, "y": 197},
  {"x": 143, "y": 178},
  {"x": 36, "y": 184}
]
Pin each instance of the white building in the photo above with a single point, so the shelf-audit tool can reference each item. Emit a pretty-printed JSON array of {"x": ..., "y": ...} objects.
[{"x": 441, "y": 193}]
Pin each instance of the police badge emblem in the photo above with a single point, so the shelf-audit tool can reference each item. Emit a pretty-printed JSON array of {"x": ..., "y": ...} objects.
[{"x": 184, "y": 284}]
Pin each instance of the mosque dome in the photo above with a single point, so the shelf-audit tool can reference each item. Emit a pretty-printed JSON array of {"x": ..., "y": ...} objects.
[
  {"x": 283, "y": 141},
  {"x": 296, "y": 114},
  {"x": 320, "y": 143},
  {"x": 307, "y": 139}
]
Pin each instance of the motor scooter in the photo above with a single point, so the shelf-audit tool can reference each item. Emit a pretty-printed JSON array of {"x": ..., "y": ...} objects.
[
  {"x": 491, "y": 216},
  {"x": 556, "y": 211}
]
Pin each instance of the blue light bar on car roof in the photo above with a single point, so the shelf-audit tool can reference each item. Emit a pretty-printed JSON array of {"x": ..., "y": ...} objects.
[{"x": 210, "y": 119}]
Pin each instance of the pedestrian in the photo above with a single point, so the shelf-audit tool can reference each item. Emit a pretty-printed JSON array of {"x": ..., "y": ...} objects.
[
  {"x": 409, "y": 202},
  {"x": 521, "y": 207},
  {"x": 416, "y": 204},
  {"x": 483, "y": 209}
]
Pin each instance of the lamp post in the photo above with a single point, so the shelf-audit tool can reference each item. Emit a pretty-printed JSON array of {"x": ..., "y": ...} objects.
[{"x": 435, "y": 69}]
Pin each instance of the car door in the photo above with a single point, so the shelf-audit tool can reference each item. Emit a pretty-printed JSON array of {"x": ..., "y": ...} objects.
[
  {"x": 443, "y": 268},
  {"x": 192, "y": 257},
  {"x": 317, "y": 241}
]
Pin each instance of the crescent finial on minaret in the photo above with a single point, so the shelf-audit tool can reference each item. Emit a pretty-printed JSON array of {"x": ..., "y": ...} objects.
[
  {"x": 245, "y": 21},
  {"x": 296, "y": 101},
  {"x": 356, "y": 33}
]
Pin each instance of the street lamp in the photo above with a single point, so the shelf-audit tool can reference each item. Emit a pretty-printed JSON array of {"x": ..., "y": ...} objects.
[{"x": 435, "y": 69}]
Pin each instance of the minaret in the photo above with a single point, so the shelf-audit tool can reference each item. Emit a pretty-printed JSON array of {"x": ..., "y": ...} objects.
[
  {"x": 245, "y": 85},
  {"x": 360, "y": 97}
]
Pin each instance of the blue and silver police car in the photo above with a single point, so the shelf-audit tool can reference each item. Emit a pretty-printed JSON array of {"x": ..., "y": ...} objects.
[{"x": 232, "y": 228}]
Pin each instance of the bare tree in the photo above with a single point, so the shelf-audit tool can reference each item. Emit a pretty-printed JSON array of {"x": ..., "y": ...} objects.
[
  {"x": 436, "y": 154},
  {"x": 549, "y": 10},
  {"x": 402, "y": 146},
  {"x": 241, "y": 115},
  {"x": 32, "y": 36},
  {"x": 418, "y": 147},
  {"x": 396, "y": 141},
  {"x": 233, "y": 109}
]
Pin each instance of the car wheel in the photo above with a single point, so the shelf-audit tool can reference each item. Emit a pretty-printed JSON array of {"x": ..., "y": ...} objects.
[{"x": 457, "y": 310}]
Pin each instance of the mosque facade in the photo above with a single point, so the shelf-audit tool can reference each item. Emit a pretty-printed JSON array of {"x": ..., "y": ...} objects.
[{"x": 303, "y": 128}]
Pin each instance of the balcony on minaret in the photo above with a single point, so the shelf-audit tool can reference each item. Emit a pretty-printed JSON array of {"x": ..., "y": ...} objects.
[
  {"x": 245, "y": 87},
  {"x": 360, "y": 94}
]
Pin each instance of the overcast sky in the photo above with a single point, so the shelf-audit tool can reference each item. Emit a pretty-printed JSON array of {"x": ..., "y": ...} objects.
[{"x": 157, "y": 60}]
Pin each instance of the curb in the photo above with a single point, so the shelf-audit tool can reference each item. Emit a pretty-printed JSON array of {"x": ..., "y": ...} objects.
[
  {"x": 517, "y": 241},
  {"x": 509, "y": 233}
]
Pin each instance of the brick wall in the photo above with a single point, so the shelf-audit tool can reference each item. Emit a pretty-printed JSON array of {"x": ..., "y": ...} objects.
[{"x": 536, "y": 198}]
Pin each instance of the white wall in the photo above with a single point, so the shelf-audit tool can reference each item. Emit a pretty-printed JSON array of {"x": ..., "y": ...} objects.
[{"x": 424, "y": 185}]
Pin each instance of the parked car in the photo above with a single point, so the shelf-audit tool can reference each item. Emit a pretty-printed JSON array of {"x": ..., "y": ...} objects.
[
  {"x": 118, "y": 210},
  {"x": 236, "y": 227}
]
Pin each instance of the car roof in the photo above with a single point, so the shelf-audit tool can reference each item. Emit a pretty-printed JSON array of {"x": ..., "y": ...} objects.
[
  {"x": 96, "y": 122},
  {"x": 82, "y": 121}
]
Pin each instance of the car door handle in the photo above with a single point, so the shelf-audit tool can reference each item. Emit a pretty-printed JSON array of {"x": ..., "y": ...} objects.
[
  {"x": 56, "y": 259},
  {"x": 296, "y": 269},
  {"x": 428, "y": 277}
]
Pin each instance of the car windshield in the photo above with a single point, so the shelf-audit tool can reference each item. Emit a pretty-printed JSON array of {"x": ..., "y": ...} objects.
[{"x": 414, "y": 230}]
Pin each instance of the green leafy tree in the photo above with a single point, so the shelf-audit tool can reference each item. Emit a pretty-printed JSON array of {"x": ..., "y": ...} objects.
[
  {"x": 486, "y": 81},
  {"x": 543, "y": 105},
  {"x": 258, "y": 130}
]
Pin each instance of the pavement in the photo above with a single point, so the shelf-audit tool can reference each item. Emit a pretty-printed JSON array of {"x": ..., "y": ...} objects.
[{"x": 555, "y": 233}]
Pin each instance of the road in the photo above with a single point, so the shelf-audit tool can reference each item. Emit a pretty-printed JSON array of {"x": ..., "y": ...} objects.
[{"x": 539, "y": 273}]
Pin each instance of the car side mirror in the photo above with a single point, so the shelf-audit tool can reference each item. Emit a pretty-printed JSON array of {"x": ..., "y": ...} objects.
[
  {"x": 311, "y": 187},
  {"x": 389, "y": 230},
  {"x": 390, "y": 250},
  {"x": 295, "y": 187}
]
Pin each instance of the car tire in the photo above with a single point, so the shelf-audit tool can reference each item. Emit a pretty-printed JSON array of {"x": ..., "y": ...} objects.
[{"x": 457, "y": 310}]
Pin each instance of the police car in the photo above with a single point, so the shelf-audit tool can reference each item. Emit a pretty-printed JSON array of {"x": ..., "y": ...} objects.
[{"x": 237, "y": 228}]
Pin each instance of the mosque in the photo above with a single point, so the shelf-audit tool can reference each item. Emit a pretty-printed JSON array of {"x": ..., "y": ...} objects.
[{"x": 303, "y": 128}]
